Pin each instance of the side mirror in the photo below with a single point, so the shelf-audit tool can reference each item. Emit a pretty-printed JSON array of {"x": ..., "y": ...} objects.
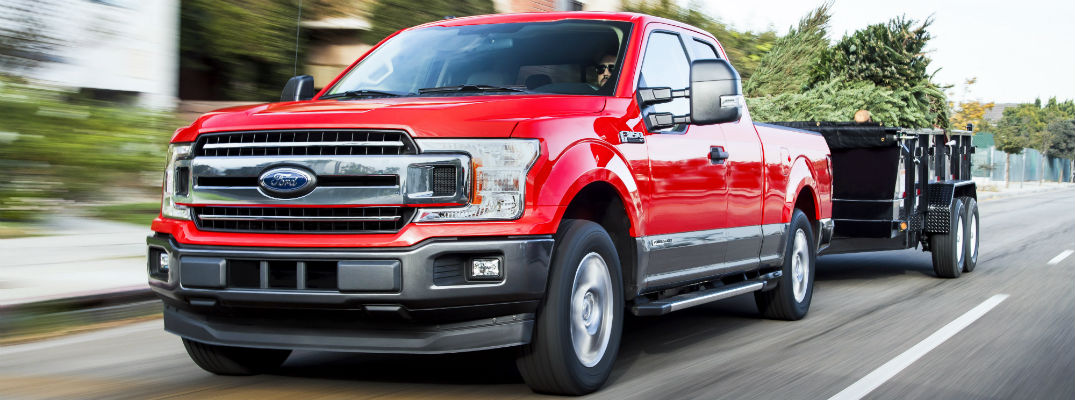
[
  {"x": 716, "y": 92},
  {"x": 298, "y": 88}
]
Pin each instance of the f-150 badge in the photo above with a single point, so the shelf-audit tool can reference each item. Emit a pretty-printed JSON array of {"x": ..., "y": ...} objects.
[{"x": 632, "y": 137}]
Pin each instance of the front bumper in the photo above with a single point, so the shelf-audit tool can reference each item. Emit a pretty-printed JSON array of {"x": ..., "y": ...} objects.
[{"x": 411, "y": 300}]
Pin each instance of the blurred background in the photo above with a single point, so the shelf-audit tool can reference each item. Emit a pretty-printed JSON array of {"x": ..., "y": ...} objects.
[{"x": 91, "y": 90}]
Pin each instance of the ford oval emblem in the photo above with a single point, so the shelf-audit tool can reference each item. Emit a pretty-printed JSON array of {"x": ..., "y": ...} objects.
[{"x": 287, "y": 182}]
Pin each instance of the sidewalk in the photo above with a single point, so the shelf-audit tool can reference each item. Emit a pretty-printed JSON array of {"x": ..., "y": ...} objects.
[
  {"x": 80, "y": 257},
  {"x": 997, "y": 190},
  {"x": 88, "y": 257}
]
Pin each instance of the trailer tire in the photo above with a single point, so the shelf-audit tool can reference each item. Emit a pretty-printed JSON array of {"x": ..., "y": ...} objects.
[
  {"x": 790, "y": 300},
  {"x": 947, "y": 248},
  {"x": 579, "y": 323},
  {"x": 226, "y": 360},
  {"x": 970, "y": 232}
]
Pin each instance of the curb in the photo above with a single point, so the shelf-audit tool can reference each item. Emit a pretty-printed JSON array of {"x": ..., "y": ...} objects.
[
  {"x": 35, "y": 318},
  {"x": 95, "y": 300}
]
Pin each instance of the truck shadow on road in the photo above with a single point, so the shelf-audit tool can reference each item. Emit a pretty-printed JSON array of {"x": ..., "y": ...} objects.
[
  {"x": 869, "y": 266},
  {"x": 711, "y": 326},
  {"x": 489, "y": 367}
]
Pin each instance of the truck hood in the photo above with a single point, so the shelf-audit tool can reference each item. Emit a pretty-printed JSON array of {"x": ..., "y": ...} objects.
[{"x": 471, "y": 116}]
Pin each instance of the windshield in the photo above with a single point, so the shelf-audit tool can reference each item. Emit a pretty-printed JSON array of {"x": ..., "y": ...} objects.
[{"x": 565, "y": 57}]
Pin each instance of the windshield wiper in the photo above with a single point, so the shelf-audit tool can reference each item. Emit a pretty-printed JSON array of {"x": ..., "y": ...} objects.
[
  {"x": 359, "y": 93},
  {"x": 469, "y": 88}
]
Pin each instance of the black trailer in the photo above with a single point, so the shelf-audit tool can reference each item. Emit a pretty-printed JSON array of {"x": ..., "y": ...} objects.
[{"x": 897, "y": 188}]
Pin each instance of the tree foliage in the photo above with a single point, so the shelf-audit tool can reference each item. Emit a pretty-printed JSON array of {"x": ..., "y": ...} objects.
[
  {"x": 1026, "y": 125},
  {"x": 891, "y": 55},
  {"x": 881, "y": 68},
  {"x": 838, "y": 101},
  {"x": 1063, "y": 138},
  {"x": 54, "y": 145},
  {"x": 389, "y": 16},
  {"x": 745, "y": 49},
  {"x": 1013, "y": 131},
  {"x": 970, "y": 111},
  {"x": 247, "y": 46},
  {"x": 787, "y": 68}
]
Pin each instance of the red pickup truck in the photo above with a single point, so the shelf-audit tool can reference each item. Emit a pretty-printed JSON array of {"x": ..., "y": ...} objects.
[{"x": 485, "y": 182}]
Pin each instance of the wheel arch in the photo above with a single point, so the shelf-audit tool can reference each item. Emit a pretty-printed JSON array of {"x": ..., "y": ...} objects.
[{"x": 600, "y": 202}]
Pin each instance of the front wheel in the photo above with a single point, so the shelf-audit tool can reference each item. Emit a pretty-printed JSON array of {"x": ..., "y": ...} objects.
[
  {"x": 790, "y": 300},
  {"x": 578, "y": 327}
]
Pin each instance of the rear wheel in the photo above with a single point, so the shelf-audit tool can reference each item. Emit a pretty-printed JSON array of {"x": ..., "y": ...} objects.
[
  {"x": 948, "y": 248},
  {"x": 970, "y": 232},
  {"x": 790, "y": 300},
  {"x": 578, "y": 327},
  {"x": 226, "y": 360}
]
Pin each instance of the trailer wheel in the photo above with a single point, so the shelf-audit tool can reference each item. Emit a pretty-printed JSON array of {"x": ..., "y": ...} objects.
[
  {"x": 948, "y": 248},
  {"x": 790, "y": 300},
  {"x": 578, "y": 327},
  {"x": 226, "y": 360},
  {"x": 970, "y": 230}
]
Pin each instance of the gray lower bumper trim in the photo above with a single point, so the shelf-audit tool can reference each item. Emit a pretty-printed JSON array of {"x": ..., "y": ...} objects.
[{"x": 482, "y": 334}]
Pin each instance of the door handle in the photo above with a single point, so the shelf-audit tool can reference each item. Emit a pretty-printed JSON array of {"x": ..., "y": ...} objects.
[{"x": 717, "y": 155}]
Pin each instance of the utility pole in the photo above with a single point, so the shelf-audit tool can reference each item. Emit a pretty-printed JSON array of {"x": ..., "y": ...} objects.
[{"x": 1022, "y": 171}]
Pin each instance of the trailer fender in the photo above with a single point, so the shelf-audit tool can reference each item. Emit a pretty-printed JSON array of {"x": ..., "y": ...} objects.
[{"x": 939, "y": 203}]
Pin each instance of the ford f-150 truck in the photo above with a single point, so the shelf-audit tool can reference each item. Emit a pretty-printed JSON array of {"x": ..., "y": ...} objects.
[{"x": 486, "y": 182}]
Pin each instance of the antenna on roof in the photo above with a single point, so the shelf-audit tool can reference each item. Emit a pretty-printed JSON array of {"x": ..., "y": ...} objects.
[{"x": 298, "y": 25}]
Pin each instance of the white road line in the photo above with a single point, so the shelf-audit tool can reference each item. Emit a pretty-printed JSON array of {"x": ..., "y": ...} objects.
[
  {"x": 1060, "y": 257},
  {"x": 885, "y": 372},
  {"x": 83, "y": 338}
]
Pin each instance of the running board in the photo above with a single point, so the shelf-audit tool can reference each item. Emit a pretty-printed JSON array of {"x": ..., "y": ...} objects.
[{"x": 686, "y": 300}]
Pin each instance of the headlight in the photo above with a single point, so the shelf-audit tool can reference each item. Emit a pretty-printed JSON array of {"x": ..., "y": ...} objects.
[
  {"x": 173, "y": 172},
  {"x": 498, "y": 168}
]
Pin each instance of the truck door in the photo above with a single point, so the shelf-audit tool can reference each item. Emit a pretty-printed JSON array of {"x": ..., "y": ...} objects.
[
  {"x": 744, "y": 179},
  {"x": 686, "y": 207}
]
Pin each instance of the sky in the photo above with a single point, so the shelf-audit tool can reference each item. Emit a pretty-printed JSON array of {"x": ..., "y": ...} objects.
[{"x": 1017, "y": 50}]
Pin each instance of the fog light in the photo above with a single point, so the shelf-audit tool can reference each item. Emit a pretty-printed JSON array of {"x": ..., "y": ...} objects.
[
  {"x": 163, "y": 261},
  {"x": 484, "y": 269}
]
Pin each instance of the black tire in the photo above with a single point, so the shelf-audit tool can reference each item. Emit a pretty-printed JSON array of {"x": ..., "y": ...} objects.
[
  {"x": 781, "y": 302},
  {"x": 225, "y": 360},
  {"x": 970, "y": 230},
  {"x": 947, "y": 248},
  {"x": 550, "y": 362}
]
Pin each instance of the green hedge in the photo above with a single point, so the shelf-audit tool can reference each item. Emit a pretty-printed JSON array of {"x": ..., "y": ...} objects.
[{"x": 55, "y": 146}]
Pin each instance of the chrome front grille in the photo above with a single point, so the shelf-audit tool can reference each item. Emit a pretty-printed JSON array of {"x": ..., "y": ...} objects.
[
  {"x": 302, "y": 219},
  {"x": 305, "y": 143}
]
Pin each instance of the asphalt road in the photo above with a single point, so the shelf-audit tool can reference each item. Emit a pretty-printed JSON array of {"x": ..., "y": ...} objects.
[{"x": 868, "y": 309}]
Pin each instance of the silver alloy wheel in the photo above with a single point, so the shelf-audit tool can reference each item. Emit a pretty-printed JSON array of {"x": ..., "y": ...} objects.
[
  {"x": 973, "y": 237},
  {"x": 800, "y": 266},
  {"x": 591, "y": 309},
  {"x": 959, "y": 240}
]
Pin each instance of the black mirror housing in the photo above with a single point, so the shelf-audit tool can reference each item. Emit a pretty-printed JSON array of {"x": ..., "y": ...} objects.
[
  {"x": 716, "y": 92},
  {"x": 298, "y": 88},
  {"x": 659, "y": 121},
  {"x": 658, "y": 95}
]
